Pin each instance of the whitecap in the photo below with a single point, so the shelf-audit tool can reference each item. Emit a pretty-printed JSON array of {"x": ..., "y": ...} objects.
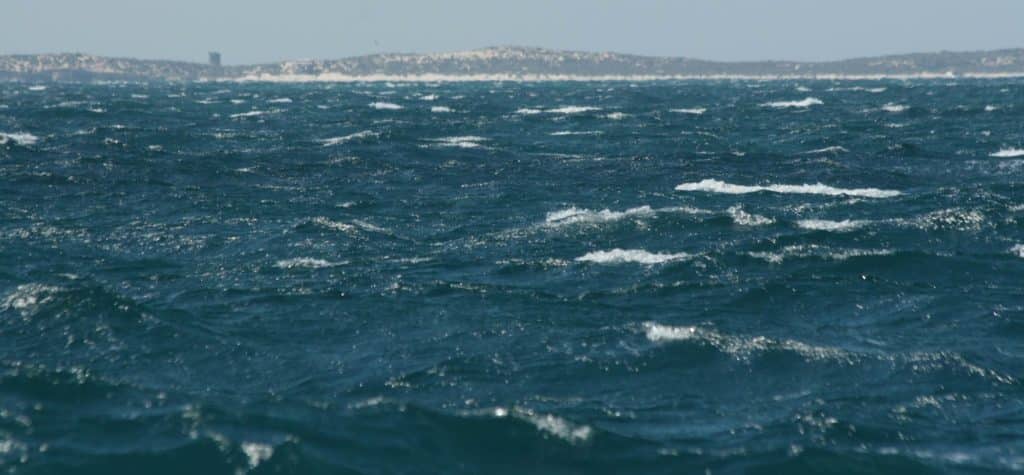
[
  {"x": 253, "y": 113},
  {"x": 1008, "y": 153},
  {"x": 558, "y": 427},
  {"x": 577, "y": 215},
  {"x": 281, "y": 100},
  {"x": 306, "y": 262},
  {"x": 808, "y": 102},
  {"x": 744, "y": 218},
  {"x": 742, "y": 347},
  {"x": 385, "y": 106},
  {"x": 37, "y": 88},
  {"x": 572, "y": 110},
  {"x": 257, "y": 453},
  {"x": 693, "y": 111},
  {"x": 616, "y": 116},
  {"x": 335, "y": 225},
  {"x": 832, "y": 149},
  {"x": 140, "y": 96},
  {"x": 894, "y": 108},
  {"x": 1018, "y": 250},
  {"x": 467, "y": 141},
  {"x": 346, "y": 138},
  {"x": 716, "y": 186},
  {"x": 440, "y": 109},
  {"x": 28, "y": 296},
  {"x": 20, "y": 138},
  {"x": 832, "y": 226},
  {"x": 991, "y": 108},
  {"x": 634, "y": 256},
  {"x": 818, "y": 251},
  {"x": 563, "y": 133},
  {"x": 528, "y": 111},
  {"x": 429, "y": 97}
]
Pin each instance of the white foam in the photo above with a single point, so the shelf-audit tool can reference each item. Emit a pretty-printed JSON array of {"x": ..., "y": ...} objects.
[
  {"x": 467, "y": 141},
  {"x": 385, "y": 106},
  {"x": 340, "y": 140},
  {"x": 559, "y": 427},
  {"x": 572, "y": 110},
  {"x": 20, "y": 138},
  {"x": 440, "y": 109},
  {"x": 808, "y": 102},
  {"x": 894, "y": 108},
  {"x": 37, "y": 88},
  {"x": 1018, "y": 250},
  {"x": 1008, "y": 153},
  {"x": 744, "y": 218},
  {"x": 741, "y": 347},
  {"x": 335, "y": 225},
  {"x": 991, "y": 108},
  {"x": 281, "y": 100},
  {"x": 633, "y": 256},
  {"x": 429, "y": 97},
  {"x": 845, "y": 225},
  {"x": 307, "y": 263},
  {"x": 693, "y": 111},
  {"x": 563, "y": 133},
  {"x": 577, "y": 215},
  {"x": 28, "y": 296},
  {"x": 832, "y": 149},
  {"x": 257, "y": 453},
  {"x": 814, "y": 250},
  {"x": 616, "y": 116},
  {"x": 254, "y": 113},
  {"x": 528, "y": 111},
  {"x": 716, "y": 186}
]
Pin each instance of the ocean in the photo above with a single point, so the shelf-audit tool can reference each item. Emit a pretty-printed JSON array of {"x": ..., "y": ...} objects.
[{"x": 499, "y": 277}]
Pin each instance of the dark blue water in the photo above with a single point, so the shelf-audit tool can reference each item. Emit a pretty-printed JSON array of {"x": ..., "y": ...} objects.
[{"x": 513, "y": 278}]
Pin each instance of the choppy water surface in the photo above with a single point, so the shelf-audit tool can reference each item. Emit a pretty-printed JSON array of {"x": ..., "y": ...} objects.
[{"x": 670, "y": 277}]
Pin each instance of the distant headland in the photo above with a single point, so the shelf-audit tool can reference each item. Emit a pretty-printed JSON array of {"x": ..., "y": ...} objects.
[{"x": 508, "y": 63}]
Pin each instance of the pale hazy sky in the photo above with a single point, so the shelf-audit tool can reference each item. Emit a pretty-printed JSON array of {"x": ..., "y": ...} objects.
[{"x": 248, "y": 31}]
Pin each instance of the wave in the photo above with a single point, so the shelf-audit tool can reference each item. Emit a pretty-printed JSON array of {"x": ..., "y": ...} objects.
[
  {"x": 37, "y": 88},
  {"x": 991, "y": 108},
  {"x": 572, "y": 110},
  {"x": 20, "y": 138},
  {"x": 816, "y": 251},
  {"x": 256, "y": 453},
  {"x": 340, "y": 140},
  {"x": 253, "y": 113},
  {"x": 632, "y": 256},
  {"x": 528, "y": 111},
  {"x": 385, "y": 106},
  {"x": 306, "y": 263},
  {"x": 567, "y": 132},
  {"x": 468, "y": 141},
  {"x": 808, "y": 102},
  {"x": 1008, "y": 153},
  {"x": 832, "y": 149},
  {"x": 335, "y": 225},
  {"x": 895, "y": 108},
  {"x": 716, "y": 186},
  {"x": 744, "y": 218},
  {"x": 743, "y": 347},
  {"x": 281, "y": 100},
  {"x": 616, "y": 116},
  {"x": 28, "y": 296},
  {"x": 693, "y": 111},
  {"x": 576, "y": 215},
  {"x": 429, "y": 97},
  {"x": 440, "y": 109},
  {"x": 833, "y": 226},
  {"x": 1018, "y": 250}
]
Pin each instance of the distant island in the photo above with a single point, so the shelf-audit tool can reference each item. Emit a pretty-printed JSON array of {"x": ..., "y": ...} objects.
[{"x": 507, "y": 63}]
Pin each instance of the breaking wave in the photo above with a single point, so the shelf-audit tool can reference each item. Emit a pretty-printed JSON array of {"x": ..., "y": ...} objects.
[{"x": 716, "y": 186}]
